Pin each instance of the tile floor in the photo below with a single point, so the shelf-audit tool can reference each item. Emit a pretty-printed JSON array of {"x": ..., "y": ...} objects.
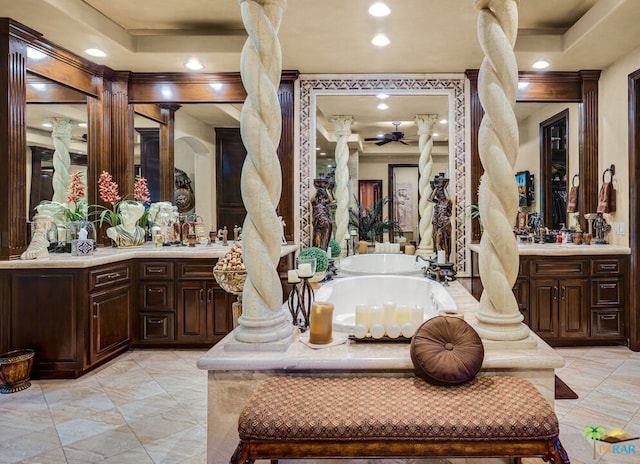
[{"x": 149, "y": 406}]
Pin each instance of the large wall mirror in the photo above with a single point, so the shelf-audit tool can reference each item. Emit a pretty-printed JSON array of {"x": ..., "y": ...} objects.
[
  {"x": 56, "y": 120},
  {"x": 324, "y": 96}
]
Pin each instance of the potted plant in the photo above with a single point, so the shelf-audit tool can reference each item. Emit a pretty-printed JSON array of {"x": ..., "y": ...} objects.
[{"x": 369, "y": 222}]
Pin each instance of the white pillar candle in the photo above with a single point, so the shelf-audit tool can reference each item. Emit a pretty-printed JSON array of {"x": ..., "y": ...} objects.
[
  {"x": 328, "y": 252},
  {"x": 363, "y": 314},
  {"x": 408, "y": 329},
  {"x": 442, "y": 257},
  {"x": 417, "y": 315},
  {"x": 377, "y": 331},
  {"x": 293, "y": 276},
  {"x": 304, "y": 270},
  {"x": 403, "y": 315},
  {"x": 375, "y": 316},
  {"x": 393, "y": 331},
  {"x": 378, "y": 247},
  {"x": 388, "y": 313},
  {"x": 360, "y": 331},
  {"x": 396, "y": 247}
]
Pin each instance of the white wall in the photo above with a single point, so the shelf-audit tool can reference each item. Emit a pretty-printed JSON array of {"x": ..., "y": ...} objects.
[{"x": 613, "y": 127}]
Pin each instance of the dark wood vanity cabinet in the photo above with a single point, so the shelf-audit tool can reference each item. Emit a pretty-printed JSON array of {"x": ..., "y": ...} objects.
[{"x": 571, "y": 300}]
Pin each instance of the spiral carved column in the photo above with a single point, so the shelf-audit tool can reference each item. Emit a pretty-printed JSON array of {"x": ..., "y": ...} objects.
[
  {"x": 342, "y": 125},
  {"x": 498, "y": 316},
  {"x": 61, "y": 136},
  {"x": 425, "y": 207},
  {"x": 263, "y": 319}
]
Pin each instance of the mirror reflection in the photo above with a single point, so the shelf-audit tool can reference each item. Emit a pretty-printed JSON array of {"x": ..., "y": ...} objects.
[
  {"x": 549, "y": 152},
  {"x": 384, "y": 136},
  {"x": 56, "y": 121}
]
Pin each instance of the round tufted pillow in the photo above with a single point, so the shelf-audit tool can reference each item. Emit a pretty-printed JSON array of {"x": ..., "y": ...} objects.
[{"x": 446, "y": 351}]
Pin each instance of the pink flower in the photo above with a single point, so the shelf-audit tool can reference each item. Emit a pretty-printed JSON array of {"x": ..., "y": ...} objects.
[
  {"x": 76, "y": 191},
  {"x": 141, "y": 190},
  {"x": 108, "y": 189}
]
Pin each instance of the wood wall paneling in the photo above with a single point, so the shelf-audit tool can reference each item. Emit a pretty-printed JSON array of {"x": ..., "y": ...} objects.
[{"x": 633, "y": 318}]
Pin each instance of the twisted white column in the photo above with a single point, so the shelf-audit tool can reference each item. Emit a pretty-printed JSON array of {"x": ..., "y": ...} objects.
[
  {"x": 498, "y": 317},
  {"x": 263, "y": 319},
  {"x": 425, "y": 164},
  {"x": 342, "y": 125},
  {"x": 61, "y": 136}
]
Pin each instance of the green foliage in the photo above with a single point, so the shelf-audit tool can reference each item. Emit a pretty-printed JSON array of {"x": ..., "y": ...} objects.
[
  {"x": 335, "y": 247},
  {"x": 369, "y": 223},
  {"x": 322, "y": 262},
  {"x": 473, "y": 212}
]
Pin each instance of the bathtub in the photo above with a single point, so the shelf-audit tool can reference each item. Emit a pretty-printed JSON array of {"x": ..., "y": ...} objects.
[
  {"x": 345, "y": 293},
  {"x": 381, "y": 263}
]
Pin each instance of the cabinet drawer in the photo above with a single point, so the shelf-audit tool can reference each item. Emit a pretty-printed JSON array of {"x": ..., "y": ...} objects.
[
  {"x": 157, "y": 327},
  {"x": 545, "y": 267},
  {"x": 156, "y": 270},
  {"x": 607, "y": 266},
  {"x": 109, "y": 275},
  {"x": 606, "y": 323},
  {"x": 196, "y": 270},
  {"x": 157, "y": 296},
  {"x": 607, "y": 292}
]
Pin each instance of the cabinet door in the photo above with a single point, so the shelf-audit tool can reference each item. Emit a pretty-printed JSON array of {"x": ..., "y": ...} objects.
[
  {"x": 219, "y": 313},
  {"x": 544, "y": 307},
  {"x": 574, "y": 307},
  {"x": 191, "y": 311},
  {"x": 110, "y": 326},
  {"x": 521, "y": 292}
]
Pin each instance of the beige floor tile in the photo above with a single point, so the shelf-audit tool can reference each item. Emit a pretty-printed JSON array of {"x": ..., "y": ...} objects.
[
  {"x": 163, "y": 425},
  {"x": 178, "y": 447},
  {"x": 102, "y": 446},
  {"x": 28, "y": 445},
  {"x": 54, "y": 456}
]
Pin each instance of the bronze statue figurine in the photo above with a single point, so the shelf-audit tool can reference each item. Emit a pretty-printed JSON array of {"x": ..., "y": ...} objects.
[
  {"x": 441, "y": 214},
  {"x": 321, "y": 219}
]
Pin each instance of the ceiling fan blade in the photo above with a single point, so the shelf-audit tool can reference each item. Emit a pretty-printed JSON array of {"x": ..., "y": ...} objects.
[
  {"x": 403, "y": 142},
  {"x": 383, "y": 142},
  {"x": 373, "y": 139}
]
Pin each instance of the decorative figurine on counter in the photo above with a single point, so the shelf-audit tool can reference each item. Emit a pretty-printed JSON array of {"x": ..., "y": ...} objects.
[
  {"x": 282, "y": 226},
  {"x": 38, "y": 247},
  {"x": 236, "y": 233},
  {"x": 222, "y": 235},
  {"x": 321, "y": 218},
  {"x": 129, "y": 233},
  {"x": 600, "y": 228},
  {"x": 441, "y": 215}
]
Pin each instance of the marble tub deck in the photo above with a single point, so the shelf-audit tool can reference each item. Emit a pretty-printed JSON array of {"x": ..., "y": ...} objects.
[{"x": 232, "y": 376}]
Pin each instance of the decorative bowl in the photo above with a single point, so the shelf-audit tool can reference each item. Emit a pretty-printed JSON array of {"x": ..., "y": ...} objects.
[
  {"x": 230, "y": 281},
  {"x": 15, "y": 370}
]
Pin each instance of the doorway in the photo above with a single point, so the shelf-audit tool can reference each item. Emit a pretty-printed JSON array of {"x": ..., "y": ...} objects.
[{"x": 554, "y": 166}]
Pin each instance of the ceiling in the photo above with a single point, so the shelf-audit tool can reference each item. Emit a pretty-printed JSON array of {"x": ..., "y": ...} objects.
[{"x": 332, "y": 37}]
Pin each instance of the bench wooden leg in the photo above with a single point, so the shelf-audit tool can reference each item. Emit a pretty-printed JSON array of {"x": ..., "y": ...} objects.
[
  {"x": 241, "y": 455},
  {"x": 557, "y": 453}
]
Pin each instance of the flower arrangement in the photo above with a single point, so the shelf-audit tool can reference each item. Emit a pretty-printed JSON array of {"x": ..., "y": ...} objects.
[
  {"x": 77, "y": 208},
  {"x": 108, "y": 192}
]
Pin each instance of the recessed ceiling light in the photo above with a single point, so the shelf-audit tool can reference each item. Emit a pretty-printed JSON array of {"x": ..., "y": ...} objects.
[
  {"x": 382, "y": 96},
  {"x": 443, "y": 121},
  {"x": 47, "y": 124},
  {"x": 523, "y": 85},
  {"x": 383, "y": 106},
  {"x": 95, "y": 52},
  {"x": 194, "y": 64},
  {"x": 435, "y": 134},
  {"x": 379, "y": 9},
  {"x": 215, "y": 85},
  {"x": 380, "y": 40},
  {"x": 541, "y": 64}
]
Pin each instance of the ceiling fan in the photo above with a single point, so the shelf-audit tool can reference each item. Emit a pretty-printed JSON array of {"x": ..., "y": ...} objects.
[{"x": 395, "y": 136}]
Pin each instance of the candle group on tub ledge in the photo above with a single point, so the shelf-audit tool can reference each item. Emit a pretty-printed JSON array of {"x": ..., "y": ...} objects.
[{"x": 388, "y": 319}]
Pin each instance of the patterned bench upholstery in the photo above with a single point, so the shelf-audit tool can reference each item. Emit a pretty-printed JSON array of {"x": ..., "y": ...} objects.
[{"x": 303, "y": 416}]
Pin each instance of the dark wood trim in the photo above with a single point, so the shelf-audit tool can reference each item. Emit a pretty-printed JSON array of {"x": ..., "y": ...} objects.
[
  {"x": 546, "y": 196},
  {"x": 633, "y": 321},
  {"x": 579, "y": 86}
]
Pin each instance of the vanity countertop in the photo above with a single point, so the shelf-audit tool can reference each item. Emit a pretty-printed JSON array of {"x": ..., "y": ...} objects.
[
  {"x": 108, "y": 255},
  {"x": 563, "y": 249}
]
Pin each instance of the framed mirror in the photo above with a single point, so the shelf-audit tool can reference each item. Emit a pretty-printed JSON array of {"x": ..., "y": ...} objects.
[
  {"x": 57, "y": 128},
  {"x": 323, "y": 96}
]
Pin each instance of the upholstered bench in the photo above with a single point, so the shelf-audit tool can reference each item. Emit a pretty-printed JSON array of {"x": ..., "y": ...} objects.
[{"x": 381, "y": 417}]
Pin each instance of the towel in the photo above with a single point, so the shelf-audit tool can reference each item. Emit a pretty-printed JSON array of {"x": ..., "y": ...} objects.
[
  {"x": 572, "y": 203},
  {"x": 607, "y": 199}
]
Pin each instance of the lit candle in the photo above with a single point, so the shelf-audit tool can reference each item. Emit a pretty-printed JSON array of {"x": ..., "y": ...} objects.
[
  {"x": 409, "y": 249},
  {"x": 442, "y": 257},
  {"x": 304, "y": 270},
  {"x": 362, "y": 247},
  {"x": 388, "y": 313},
  {"x": 363, "y": 313},
  {"x": 320, "y": 323},
  {"x": 293, "y": 276},
  {"x": 375, "y": 316}
]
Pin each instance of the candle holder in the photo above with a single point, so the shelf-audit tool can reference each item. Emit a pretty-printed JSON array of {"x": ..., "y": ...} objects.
[
  {"x": 299, "y": 317},
  {"x": 306, "y": 270}
]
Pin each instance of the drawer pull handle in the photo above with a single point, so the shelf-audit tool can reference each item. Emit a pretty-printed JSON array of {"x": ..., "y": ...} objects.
[
  {"x": 113, "y": 276},
  {"x": 155, "y": 290},
  {"x": 608, "y": 285},
  {"x": 155, "y": 270},
  {"x": 608, "y": 267},
  {"x": 608, "y": 317},
  {"x": 154, "y": 321}
]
